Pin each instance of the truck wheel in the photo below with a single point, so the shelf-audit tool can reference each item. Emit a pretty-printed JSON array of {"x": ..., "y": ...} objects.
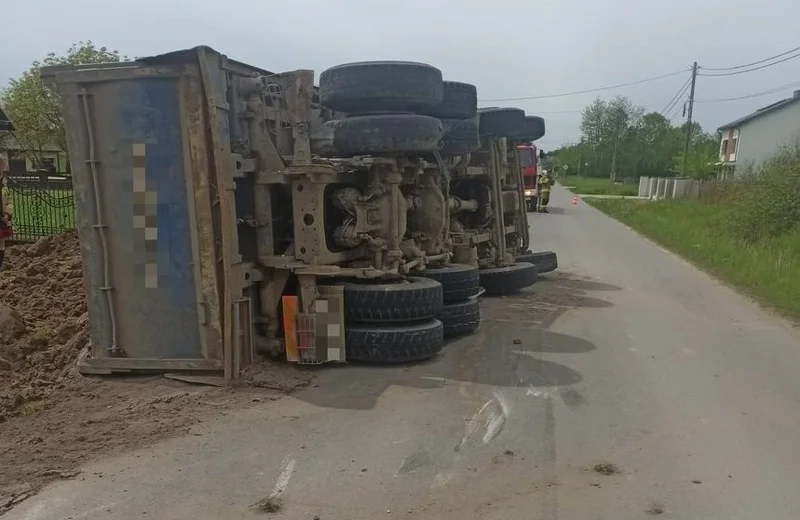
[
  {"x": 533, "y": 130},
  {"x": 545, "y": 261},
  {"x": 461, "y": 318},
  {"x": 459, "y": 101},
  {"x": 499, "y": 281},
  {"x": 459, "y": 281},
  {"x": 460, "y": 136},
  {"x": 389, "y": 133},
  {"x": 393, "y": 344},
  {"x": 407, "y": 299},
  {"x": 501, "y": 122},
  {"x": 380, "y": 86}
]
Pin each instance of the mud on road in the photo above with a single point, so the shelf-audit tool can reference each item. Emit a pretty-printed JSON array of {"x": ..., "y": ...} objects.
[{"x": 53, "y": 419}]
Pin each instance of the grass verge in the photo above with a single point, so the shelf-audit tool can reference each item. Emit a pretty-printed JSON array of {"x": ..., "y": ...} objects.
[
  {"x": 768, "y": 270},
  {"x": 598, "y": 186}
]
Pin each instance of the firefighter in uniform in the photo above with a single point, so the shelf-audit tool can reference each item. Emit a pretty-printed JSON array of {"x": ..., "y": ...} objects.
[{"x": 545, "y": 182}]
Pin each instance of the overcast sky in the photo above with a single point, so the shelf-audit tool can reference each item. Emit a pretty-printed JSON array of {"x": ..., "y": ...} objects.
[{"x": 508, "y": 48}]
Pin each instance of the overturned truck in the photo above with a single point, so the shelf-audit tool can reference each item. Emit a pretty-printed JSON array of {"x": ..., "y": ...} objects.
[{"x": 225, "y": 210}]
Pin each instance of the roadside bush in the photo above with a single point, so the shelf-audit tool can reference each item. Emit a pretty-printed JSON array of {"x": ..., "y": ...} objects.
[{"x": 766, "y": 203}]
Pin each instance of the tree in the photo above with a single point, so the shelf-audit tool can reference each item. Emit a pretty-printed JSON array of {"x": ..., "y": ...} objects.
[
  {"x": 608, "y": 128},
  {"x": 619, "y": 139},
  {"x": 34, "y": 107},
  {"x": 622, "y": 116},
  {"x": 703, "y": 153}
]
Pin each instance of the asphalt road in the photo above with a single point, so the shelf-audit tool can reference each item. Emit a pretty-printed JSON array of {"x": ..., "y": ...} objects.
[{"x": 628, "y": 358}]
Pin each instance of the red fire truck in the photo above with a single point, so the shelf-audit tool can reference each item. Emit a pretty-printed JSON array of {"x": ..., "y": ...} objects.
[{"x": 529, "y": 161}]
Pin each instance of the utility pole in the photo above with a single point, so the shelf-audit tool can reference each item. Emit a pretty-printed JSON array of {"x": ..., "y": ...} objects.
[
  {"x": 614, "y": 158},
  {"x": 689, "y": 121}
]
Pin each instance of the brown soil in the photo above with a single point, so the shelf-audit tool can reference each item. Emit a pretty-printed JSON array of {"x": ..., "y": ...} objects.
[
  {"x": 43, "y": 283},
  {"x": 53, "y": 419}
]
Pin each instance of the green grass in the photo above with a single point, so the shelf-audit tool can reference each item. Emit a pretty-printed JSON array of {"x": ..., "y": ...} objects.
[
  {"x": 598, "y": 186},
  {"x": 768, "y": 270}
]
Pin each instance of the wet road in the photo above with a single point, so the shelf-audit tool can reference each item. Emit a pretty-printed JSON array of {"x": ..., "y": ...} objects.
[{"x": 629, "y": 361}]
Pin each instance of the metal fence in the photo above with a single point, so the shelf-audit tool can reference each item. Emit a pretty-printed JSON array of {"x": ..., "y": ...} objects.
[
  {"x": 669, "y": 188},
  {"x": 44, "y": 204}
]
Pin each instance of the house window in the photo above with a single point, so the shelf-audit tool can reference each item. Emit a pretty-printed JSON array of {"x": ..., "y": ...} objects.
[
  {"x": 17, "y": 165},
  {"x": 723, "y": 149},
  {"x": 734, "y": 142},
  {"x": 48, "y": 164}
]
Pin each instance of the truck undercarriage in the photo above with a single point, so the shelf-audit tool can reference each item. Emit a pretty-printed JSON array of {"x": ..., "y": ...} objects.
[{"x": 354, "y": 221}]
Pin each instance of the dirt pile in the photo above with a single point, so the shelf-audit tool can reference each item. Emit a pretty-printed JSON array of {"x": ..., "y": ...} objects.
[
  {"x": 52, "y": 419},
  {"x": 43, "y": 321}
]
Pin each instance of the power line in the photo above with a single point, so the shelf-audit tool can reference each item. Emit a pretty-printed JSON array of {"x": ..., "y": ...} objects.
[
  {"x": 674, "y": 110},
  {"x": 748, "y": 96},
  {"x": 676, "y": 97},
  {"x": 587, "y": 91},
  {"x": 755, "y": 62},
  {"x": 560, "y": 112},
  {"x": 754, "y": 68}
]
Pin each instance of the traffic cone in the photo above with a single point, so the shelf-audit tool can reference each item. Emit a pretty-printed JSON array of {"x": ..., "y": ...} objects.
[{"x": 575, "y": 200}]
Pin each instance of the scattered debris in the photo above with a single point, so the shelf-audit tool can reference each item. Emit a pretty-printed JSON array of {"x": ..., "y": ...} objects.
[
  {"x": 517, "y": 341},
  {"x": 16, "y": 494},
  {"x": 196, "y": 379},
  {"x": 655, "y": 509},
  {"x": 594, "y": 483},
  {"x": 270, "y": 504},
  {"x": 508, "y": 453},
  {"x": 697, "y": 482},
  {"x": 276, "y": 376},
  {"x": 606, "y": 468},
  {"x": 61, "y": 473}
]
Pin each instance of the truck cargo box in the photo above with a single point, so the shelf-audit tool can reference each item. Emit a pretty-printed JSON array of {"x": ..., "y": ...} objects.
[{"x": 149, "y": 145}]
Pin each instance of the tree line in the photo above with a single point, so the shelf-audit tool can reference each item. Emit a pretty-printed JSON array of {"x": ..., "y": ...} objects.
[
  {"x": 34, "y": 107},
  {"x": 622, "y": 140}
]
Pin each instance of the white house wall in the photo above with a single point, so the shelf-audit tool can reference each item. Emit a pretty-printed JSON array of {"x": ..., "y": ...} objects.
[{"x": 762, "y": 137}]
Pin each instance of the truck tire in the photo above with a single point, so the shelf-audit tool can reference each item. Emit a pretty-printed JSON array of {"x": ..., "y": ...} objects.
[
  {"x": 500, "y": 281},
  {"x": 408, "y": 299},
  {"x": 459, "y": 101},
  {"x": 459, "y": 281},
  {"x": 501, "y": 122},
  {"x": 545, "y": 261},
  {"x": 460, "y": 319},
  {"x": 388, "y": 133},
  {"x": 460, "y": 136},
  {"x": 393, "y": 343},
  {"x": 381, "y": 86},
  {"x": 534, "y": 129}
]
